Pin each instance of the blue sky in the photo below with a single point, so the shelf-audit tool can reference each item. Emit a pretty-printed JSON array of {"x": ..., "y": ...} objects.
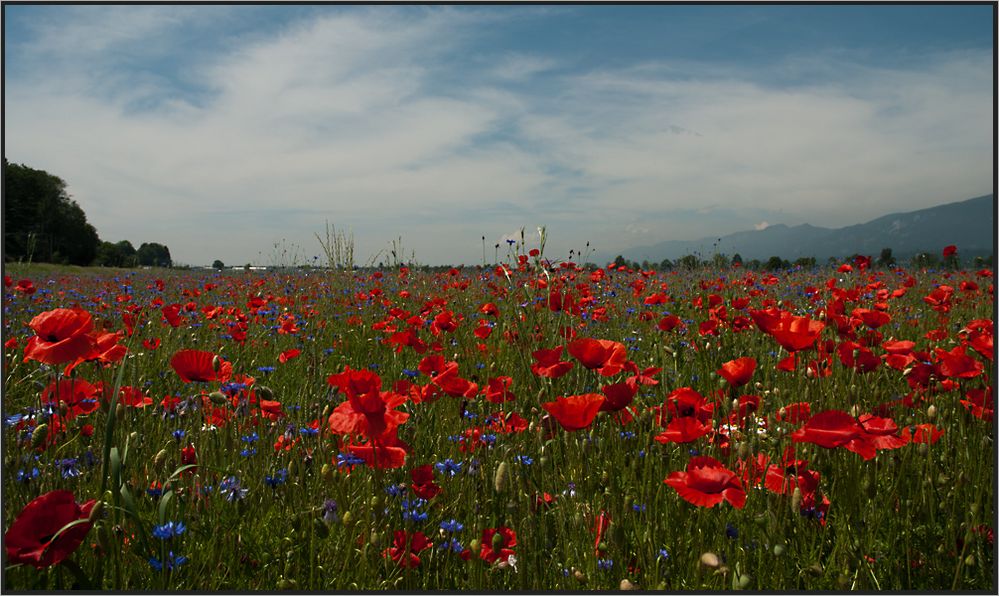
[{"x": 222, "y": 131}]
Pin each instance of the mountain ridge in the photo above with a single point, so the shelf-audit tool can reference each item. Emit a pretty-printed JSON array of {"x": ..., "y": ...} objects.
[{"x": 968, "y": 224}]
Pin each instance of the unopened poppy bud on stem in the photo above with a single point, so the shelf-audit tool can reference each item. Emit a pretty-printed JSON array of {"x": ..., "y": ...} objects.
[
  {"x": 160, "y": 459},
  {"x": 710, "y": 561},
  {"x": 39, "y": 435},
  {"x": 218, "y": 398},
  {"x": 796, "y": 499},
  {"x": 501, "y": 479}
]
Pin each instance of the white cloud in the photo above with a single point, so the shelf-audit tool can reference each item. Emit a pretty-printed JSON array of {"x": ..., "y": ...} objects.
[{"x": 762, "y": 225}]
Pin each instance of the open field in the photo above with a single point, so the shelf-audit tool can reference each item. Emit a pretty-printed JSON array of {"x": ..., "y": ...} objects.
[{"x": 525, "y": 426}]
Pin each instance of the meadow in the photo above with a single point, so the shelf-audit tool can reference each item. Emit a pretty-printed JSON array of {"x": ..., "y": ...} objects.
[{"x": 523, "y": 426}]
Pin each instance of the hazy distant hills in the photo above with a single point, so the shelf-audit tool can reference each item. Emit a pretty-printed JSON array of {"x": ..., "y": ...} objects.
[{"x": 967, "y": 224}]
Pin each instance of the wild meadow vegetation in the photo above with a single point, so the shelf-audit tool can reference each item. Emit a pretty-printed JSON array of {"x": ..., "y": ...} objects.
[{"x": 524, "y": 426}]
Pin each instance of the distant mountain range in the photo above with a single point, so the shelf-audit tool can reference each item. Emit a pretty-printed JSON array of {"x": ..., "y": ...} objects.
[{"x": 970, "y": 225}]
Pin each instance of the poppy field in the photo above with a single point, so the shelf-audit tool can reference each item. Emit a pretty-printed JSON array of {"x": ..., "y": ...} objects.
[{"x": 523, "y": 426}]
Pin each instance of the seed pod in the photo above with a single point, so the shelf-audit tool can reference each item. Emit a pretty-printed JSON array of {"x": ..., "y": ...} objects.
[
  {"x": 119, "y": 410},
  {"x": 497, "y": 541},
  {"x": 375, "y": 539},
  {"x": 501, "y": 480},
  {"x": 218, "y": 398},
  {"x": 347, "y": 519},
  {"x": 39, "y": 435},
  {"x": 264, "y": 392},
  {"x": 779, "y": 549},
  {"x": 216, "y": 363},
  {"x": 474, "y": 545},
  {"x": 326, "y": 471},
  {"x": 923, "y": 449}
]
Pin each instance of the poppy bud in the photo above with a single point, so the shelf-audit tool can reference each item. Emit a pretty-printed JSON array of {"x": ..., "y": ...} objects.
[
  {"x": 38, "y": 435},
  {"x": 264, "y": 392},
  {"x": 969, "y": 561},
  {"x": 218, "y": 398},
  {"x": 326, "y": 471},
  {"x": 375, "y": 539},
  {"x": 744, "y": 581},
  {"x": 579, "y": 575},
  {"x": 796, "y": 499},
  {"x": 604, "y": 477},
  {"x": 779, "y": 549},
  {"x": 602, "y": 547},
  {"x": 63, "y": 409},
  {"x": 96, "y": 511},
  {"x": 133, "y": 436},
  {"x": 502, "y": 477},
  {"x": 931, "y": 412},
  {"x": 710, "y": 561},
  {"x": 216, "y": 363},
  {"x": 326, "y": 411},
  {"x": 815, "y": 569},
  {"x": 347, "y": 518},
  {"x": 159, "y": 459},
  {"x": 293, "y": 467},
  {"x": 474, "y": 545},
  {"x": 627, "y": 585},
  {"x": 497, "y": 541}
]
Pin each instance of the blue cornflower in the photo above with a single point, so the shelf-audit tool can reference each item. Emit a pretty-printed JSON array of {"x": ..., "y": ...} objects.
[
  {"x": 250, "y": 438},
  {"x": 449, "y": 466},
  {"x": 327, "y": 351},
  {"x": 605, "y": 564},
  {"x": 248, "y": 452},
  {"x": 627, "y": 434},
  {"x": 638, "y": 507},
  {"x": 13, "y": 419},
  {"x": 348, "y": 459},
  {"x": 277, "y": 479},
  {"x": 453, "y": 545},
  {"x": 169, "y": 530},
  {"x": 469, "y": 415},
  {"x": 25, "y": 476},
  {"x": 154, "y": 490},
  {"x": 231, "y": 490},
  {"x": 488, "y": 439},
  {"x": 731, "y": 531},
  {"x": 179, "y": 434},
  {"x": 169, "y": 563},
  {"x": 410, "y": 373},
  {"x": 452, "y": 526},
  {"x": 266, "y": 369},
  {"x": 308, "y": 431},
  {"x": 329, "y": 512},
  {"x": 395, "y": 490},
  {"x": 663, "y": 554},
  {"x": 525, "y": 460},
  {"x": 410, "y": 513},
  {"x": 67, "y": 467}
]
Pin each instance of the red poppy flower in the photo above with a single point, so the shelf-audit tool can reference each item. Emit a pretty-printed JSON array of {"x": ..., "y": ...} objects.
[
  {"x": 684, "y": 401},
  {"x": 498, "y": 390},
  {"x": 151, "y": 344},
  {"x": 25, "y": 286},
  {"x": 371, "y": 414},
  {"x": 502, "y": 549},
  {"x": 61, "y": 335},
  {"x": 508, "y": 423},
  {"x": 453, "y": 384},
  {"x": 668, "y": 323},
  {"x": 949, "y": 250},
  {"x": 708, "y": 482},
  {"x": 791, "y": 332},
  {"x": 871, "y": 318},
  {"x": 287, "y": 355},
  {"x": 738, "y": 372},
  {"x": 923, "y": 433},
  {"x": 423, "y": 482},
  {"x": 386, "y": 452},
  {"x": 188, "y": 456},
  {"x": 605, "y": 356},
  {"x": 35, "y": 539},
  {"x": 79, "y": 396},
  {"x": 956, "y": 364},
  {"x": 547, "y": 363},
  {"x": 132, "y": 397},
  {"x": 405, "y": 546},
  {"x": 171, "y": 313},
  {"x": 883, "y": 432},
  {"x": 835, "y": 428},
  {"x": 795, "y": 413},
  {"x": 576, "y": 411},
  {"x": 685, "y": 429},
  {"x": 619, "y": 396},
  {"x": 980, "y": 403},
  {"x": 197, "y": 365}
]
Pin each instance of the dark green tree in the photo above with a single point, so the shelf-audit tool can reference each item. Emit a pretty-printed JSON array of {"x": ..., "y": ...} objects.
[
  {"x": 776, "y": 263},
  {"x": 688, "y": 262},
  {"x": 218, "y": 264},
  {"x": 153, "y": 254},
  {"x": 737, "y": 259},
  {"x": 41, "y": 221},
  {"x": 886, "y": 259}
]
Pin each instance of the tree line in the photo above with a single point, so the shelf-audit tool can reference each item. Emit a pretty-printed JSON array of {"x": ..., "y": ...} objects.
[
  {"x": 885, "y": 260},
  {"x": 42, "y": 223}
]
